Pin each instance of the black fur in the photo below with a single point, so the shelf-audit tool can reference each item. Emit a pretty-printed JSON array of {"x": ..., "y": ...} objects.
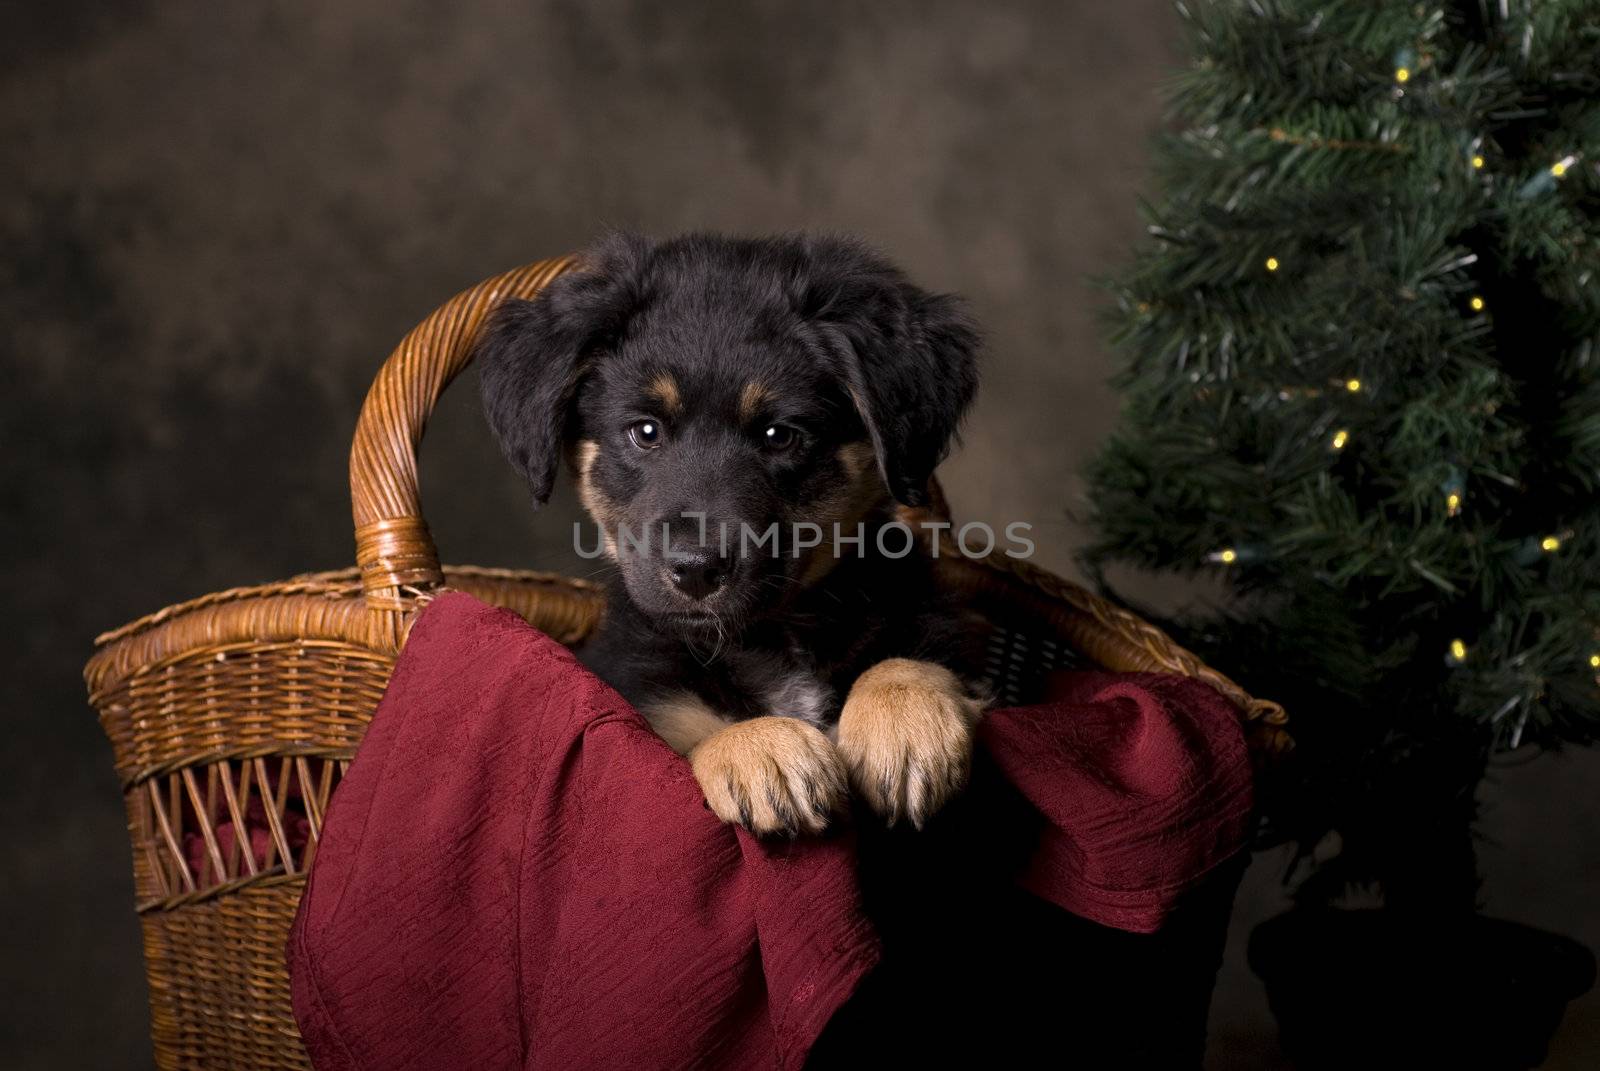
[
  {"x": 907, "y": 355},
  {"x": 531, "y": 354},
  {"x": 847, "y": 352}
]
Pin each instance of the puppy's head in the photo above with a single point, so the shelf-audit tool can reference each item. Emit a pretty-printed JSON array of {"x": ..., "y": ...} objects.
[{"x": 711, "y": 394}]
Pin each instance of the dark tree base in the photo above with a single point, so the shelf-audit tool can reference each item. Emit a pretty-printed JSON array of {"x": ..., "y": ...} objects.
[{"x": 1376, "y": 989}]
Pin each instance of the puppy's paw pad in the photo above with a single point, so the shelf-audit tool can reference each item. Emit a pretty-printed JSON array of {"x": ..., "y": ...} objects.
[
  {"x": 905, "y": 736},
  {"x": 771, "y": 775}
]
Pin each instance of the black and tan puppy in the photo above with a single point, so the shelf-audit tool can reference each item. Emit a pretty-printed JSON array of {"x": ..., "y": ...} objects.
[{"x": 729, "y": 407}]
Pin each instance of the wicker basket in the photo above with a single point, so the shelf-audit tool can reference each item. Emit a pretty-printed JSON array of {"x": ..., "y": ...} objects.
[{"x": 242, "y": 709}]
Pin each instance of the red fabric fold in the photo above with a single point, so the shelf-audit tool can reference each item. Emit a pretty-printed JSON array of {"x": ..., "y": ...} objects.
[
  {"x": 517, "y": 873},
  {"x": 1144, "y": 783}
]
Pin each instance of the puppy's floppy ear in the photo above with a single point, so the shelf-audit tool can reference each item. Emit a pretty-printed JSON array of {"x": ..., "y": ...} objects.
[
  {"x": 532, "y": 355},
  {"x": 908, "y": 357}
]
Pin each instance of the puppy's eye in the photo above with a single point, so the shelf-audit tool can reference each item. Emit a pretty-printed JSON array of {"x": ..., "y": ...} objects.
[
  {"x": 645, "y": 434},
  {"x": 779, "y": 437}
]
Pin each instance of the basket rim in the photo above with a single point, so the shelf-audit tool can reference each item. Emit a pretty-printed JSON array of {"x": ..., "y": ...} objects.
[
  {"x": 333, "y": 583},
  {"x": 330, "y": 605}
]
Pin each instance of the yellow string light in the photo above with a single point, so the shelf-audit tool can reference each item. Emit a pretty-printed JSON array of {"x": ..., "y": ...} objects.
[
  {"x": 1477, "y": 303},
  {"x": 1458, "y": 650},
  {"x": 1594, "y": 661},
  {"x": 1272, "y": 263},
  {"x": 1550, "y": 543},
  {"x": 1452, "y": 504},
  {"x": 1558, "y": 168},
  {"x": 1340, "y": 438},
  {"x": 1477, "y": 162},
  {"x": 1402, "y": 75},
  {"x": 1352, "y": 385}
]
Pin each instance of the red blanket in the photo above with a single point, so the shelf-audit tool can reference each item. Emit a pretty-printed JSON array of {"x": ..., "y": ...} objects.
[{"x": 517, "y": 873}]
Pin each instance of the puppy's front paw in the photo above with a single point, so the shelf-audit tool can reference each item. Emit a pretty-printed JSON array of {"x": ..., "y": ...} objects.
[
  {"x": 770, "y": 775},
  {"x": 906, "y": 738}
]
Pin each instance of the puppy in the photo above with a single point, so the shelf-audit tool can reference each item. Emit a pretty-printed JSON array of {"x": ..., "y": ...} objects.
[{"x": 742, "y": 417}]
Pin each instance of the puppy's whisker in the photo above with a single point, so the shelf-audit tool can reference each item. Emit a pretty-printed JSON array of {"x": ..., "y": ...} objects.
[
  {"x": 716, "y": 649},
  {"x": 722, "y": 635}
]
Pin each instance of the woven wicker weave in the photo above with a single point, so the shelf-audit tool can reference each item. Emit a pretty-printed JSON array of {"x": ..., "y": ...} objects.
[{"x": 244, "y": 707}]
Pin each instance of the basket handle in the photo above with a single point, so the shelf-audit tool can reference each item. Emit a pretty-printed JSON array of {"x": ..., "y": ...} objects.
[{"x": 393, "y": 547}]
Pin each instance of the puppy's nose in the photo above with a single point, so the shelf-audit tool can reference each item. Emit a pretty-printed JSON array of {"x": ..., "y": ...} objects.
[{"x": 697, "y": 572}]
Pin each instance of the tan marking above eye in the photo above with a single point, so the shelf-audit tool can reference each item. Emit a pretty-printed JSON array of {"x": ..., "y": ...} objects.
[
  {"x": 664, "y": 389},
  {"x": 752, "y": 399}
]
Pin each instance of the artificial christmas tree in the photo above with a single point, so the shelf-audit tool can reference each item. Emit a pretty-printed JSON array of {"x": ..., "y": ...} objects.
[{"x": 1362, "y": 388}]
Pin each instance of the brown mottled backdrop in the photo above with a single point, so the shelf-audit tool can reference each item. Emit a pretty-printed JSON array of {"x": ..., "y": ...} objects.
[{"x": 218, "y": 217}]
